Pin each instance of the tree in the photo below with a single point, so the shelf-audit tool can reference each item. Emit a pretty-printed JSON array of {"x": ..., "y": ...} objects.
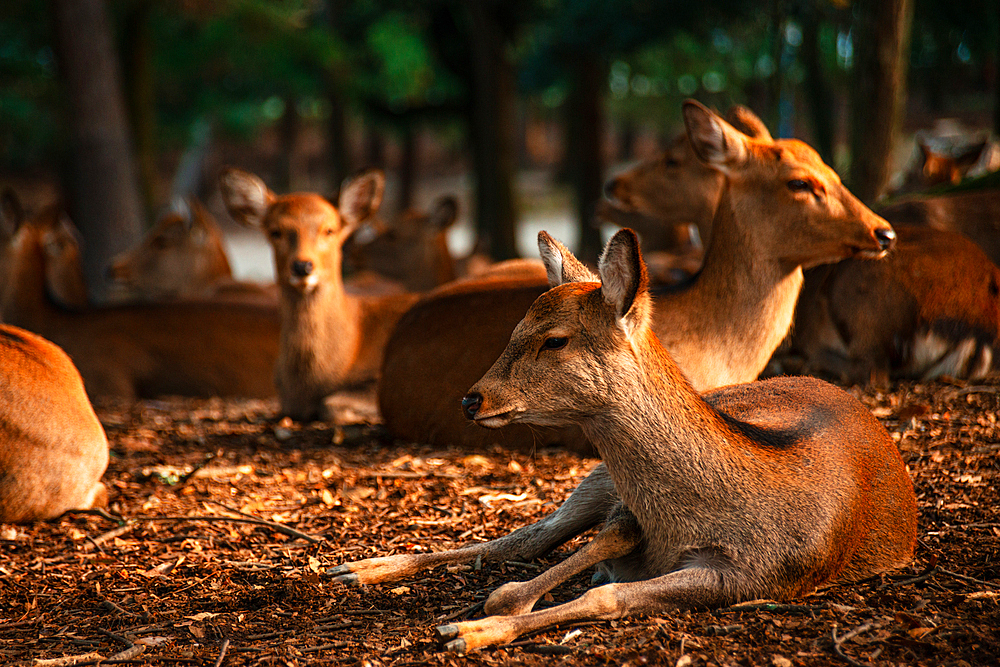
[
  {"x": 879, "y": 90},
  {"x": 103, "y": 180}
]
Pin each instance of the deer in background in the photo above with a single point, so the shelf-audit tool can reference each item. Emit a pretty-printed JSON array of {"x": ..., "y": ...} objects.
[
  {"x": 63, "y": 266},
  {"x": 765, "y": 490},
  {"x": 181, "y": 256},
  {"x": 53, "y": 450},
  {"x": 204, "y": 348},
  {"x": 330, "y": 340},
  {"x": 931, "y": 308},
  {"x": 412, "y": 250},
  {"x": 781, "y": 209}
]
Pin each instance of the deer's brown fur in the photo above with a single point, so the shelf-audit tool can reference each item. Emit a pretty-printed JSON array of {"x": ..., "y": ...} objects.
[
  {"x": 330, "y": 339},
  {"x": 53, "y": 450},
  {"x": 762, "y": 490}
]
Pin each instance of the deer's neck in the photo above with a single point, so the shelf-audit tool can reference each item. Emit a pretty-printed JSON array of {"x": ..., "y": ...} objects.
[
  {"x": 726, "y": 326},
  {"x": 319, "y": 329},
  {"x": 669, "y": 453}
]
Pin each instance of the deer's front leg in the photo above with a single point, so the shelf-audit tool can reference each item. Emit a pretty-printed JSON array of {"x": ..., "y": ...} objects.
[
  {"x": 618, "y": 538},
  {"x": 692, "y": 587}
]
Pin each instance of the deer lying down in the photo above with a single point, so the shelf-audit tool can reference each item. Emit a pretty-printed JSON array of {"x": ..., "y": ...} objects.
[
  {"x": 330, "y": 340},
  {"x": 925, "y": 311},
  {"x": 197, "y": 348},
  {"x": 183, "y": 256},
  {"x": 931, "y": 308},
  {"x": 781, "y": 209},
  {"x": 762, "y": 490},
  {"x": 974, "y": 213},
  {"x": 412, "y": 250},
  {"x": 52, "y": 448}
]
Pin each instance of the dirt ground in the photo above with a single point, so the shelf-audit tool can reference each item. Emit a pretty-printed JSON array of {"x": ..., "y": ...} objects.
[{"x": 232, "y": 520}]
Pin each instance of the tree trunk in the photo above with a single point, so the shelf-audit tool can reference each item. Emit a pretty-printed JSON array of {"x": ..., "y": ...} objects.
[
  {"x": 879, "y": 91},
  {"x": 821, "y": 102},
  {"x": 103, "y": 181},
  {"x": 585, "y": 130},
  {"x": 407, "y": 169},
  {"x": 336, "y": 125},
  {"x": 492, "y": 134},
  {"x": 142, "y": 96}
]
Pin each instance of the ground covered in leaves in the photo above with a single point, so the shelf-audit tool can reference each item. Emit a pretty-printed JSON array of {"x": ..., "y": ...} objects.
[{"x": 231, "y": 520}]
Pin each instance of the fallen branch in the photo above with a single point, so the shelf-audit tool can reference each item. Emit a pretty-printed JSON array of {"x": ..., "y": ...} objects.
[
  {"x": 838, "y": 644},
  {"x": 222, "y": 653},
  {"x": 256, "y": 522},
  {"x": 973, "y": 580}
]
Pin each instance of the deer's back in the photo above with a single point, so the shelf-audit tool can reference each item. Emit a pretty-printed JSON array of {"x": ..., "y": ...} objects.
[
  {"x": 819, "y": 446},
  {"x": 205, "y": 348},
  {"x": 430, "y": 363},
  {"x": 53, "y": 449},
  {"x": 935, "y": 288},
  {"x": 975, "y": 214}
]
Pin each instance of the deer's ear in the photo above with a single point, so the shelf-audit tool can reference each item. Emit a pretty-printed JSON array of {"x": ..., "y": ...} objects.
[
  {"x": 361, "y": 196},
  {"x": 624, "y": 282},
  {"x": 716, "y": 143},
  {"x": 247, "y": 198},
  {"x": 560, "y": 264},
  {"x": 747, "y": 122}
]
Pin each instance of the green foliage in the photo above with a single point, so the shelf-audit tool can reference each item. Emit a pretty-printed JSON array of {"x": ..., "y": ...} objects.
[{"x": 29, "y": 127}]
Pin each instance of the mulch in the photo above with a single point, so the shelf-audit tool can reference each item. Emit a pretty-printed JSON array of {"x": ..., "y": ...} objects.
[{"x": 234, "y": 519}]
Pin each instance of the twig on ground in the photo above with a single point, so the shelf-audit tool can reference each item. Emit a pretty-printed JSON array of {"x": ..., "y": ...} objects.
[
  {"x": 118, "y": 638},
  {"x": 923, "y": 576},
  {"x": 461, "y": 612},
  {"x": 96, "y": 542},
  {"x": 839, "y": 641},
  {"x": 973, "y": 580},
  {"x": 257, "y": 522},
  {"x": 222, "y": 653}
]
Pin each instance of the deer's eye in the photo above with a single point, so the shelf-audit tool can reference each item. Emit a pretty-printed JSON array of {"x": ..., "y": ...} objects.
[
  {"x": 798, "y": 185},
  {"x": 554, "y": 343},
  {"x": 275, "y": 234}
]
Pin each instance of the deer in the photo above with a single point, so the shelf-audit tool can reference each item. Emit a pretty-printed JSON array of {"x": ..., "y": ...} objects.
[
  {"x": 974, "y": 213},
  {"x": 764, "y": 490},
  {"x": 64, "y": 278},
  {"x": 931, "y": 308},
  {"x": 928, "y": 309},
  {"x": 412, "y": 250},
  {"x": 197, "y": 348},
  {"x": 53, "y": 450},
  {"x": 181, "y": 255},
  {"x": 330, "y": 339},
  {"x": 781, "y": 209}
]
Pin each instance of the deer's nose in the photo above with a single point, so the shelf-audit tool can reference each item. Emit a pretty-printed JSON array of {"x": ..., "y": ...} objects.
[
  {"x": 471, "y": 404},
  {"x": 301, "y": 268},
  {"x": 885, "y": 237}
]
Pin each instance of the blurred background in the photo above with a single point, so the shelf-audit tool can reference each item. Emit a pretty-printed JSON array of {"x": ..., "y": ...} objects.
[{"x": 520, "y": 108}]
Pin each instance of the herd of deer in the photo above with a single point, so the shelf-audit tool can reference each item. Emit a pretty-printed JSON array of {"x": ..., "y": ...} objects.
[{"x": 714, "y": 487}]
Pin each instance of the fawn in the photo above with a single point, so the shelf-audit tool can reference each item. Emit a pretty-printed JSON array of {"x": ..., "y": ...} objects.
[
  {"x": 761, "y": 490},
  {"x": 330, "y": 340},
  {"x": 781, "y": 209},
  {"x": 53, "y": 450}
]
